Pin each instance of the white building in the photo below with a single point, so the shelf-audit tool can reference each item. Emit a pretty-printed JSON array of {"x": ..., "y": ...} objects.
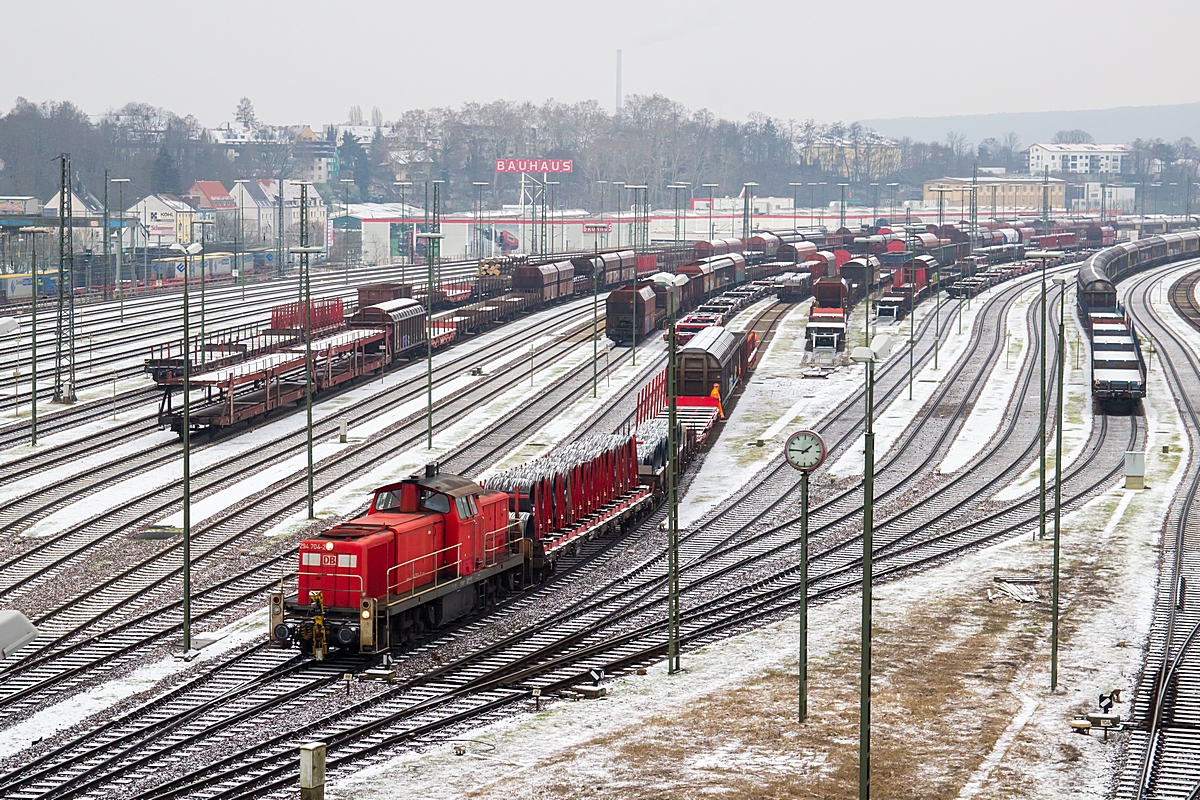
[
  {"x": 259, "y": 213},
  {"x": 1091, "y": 159},
  {"x": 1116, "y": 198},
  {"x": 317, "y": 212},
  {"x": 162, "y": 220}
]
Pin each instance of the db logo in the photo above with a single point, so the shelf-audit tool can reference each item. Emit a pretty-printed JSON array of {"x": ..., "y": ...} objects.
[{"x": 329, "y": 559}]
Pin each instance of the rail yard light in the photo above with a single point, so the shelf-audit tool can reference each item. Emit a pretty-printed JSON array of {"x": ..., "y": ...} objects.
[
  {"x": 187, "y": 251},
  {"x": 306, "y": 252},
  {"x": 346, "y": 223},
  {"x": 880, "y": 347},
  {"x": 1058, "y": 471},
  {"x": 747, "y": 209},
  {"x": 239, "y": 236},
  {"x": 120, "y": 243},
  {"x": 795, "y": 200},
  {"x": 204, "y": 225},
  {"x": 596, "y": 229},
  {"x": 16, "y": 631},
  {"x": 673, "y": 284},
  {"x": 432, "y": 248},
  {"x": 710, "y": 186},
  {"x": 1044, "y": 256},
  {"x": 403, "y": 222},
  {"x": 36, "y": 279}
]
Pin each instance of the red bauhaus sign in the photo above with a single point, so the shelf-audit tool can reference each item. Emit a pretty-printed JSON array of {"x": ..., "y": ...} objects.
[{"x": 533, "y": 165}]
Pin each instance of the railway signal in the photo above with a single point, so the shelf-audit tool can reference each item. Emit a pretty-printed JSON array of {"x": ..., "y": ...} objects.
[{"x": 805, "y": 451}]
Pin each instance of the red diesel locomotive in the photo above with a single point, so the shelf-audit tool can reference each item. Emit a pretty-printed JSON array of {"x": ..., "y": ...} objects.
[{"x": 435, "y": 547}]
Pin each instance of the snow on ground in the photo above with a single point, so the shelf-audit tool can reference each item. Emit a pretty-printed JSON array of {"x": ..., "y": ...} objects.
[
  {"x": 992, "y": 401},
  {"x": 891, "y": 421},
  {"x": 79, "y": 466},
  {"x": 1077, "y": 409},
  {"x": 948, "y": 647},
  {"x": 60, "y": 716},
  {"x": 553, "y": 432},
  {"x": 256, "y": 438},
  {"x": 74, "y": 433}
]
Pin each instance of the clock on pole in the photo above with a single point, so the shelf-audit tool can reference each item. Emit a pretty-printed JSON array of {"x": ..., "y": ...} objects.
[{"x": 804, "y": 450}]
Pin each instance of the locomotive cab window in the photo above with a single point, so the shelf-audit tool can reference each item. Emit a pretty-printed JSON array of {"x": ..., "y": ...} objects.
[
  {"x": 464, "y": 508},
  {"x": 435, "y": 501},
  {"x": 387, "y": 501}
]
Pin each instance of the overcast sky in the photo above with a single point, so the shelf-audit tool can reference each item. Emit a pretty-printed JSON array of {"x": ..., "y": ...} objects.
[{"x": 309, "y": 61}]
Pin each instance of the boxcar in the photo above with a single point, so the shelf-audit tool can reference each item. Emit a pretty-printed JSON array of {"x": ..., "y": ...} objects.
[{"x": 404, "y": 319}]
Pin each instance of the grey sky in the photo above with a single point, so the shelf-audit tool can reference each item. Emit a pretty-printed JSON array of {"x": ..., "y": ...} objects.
[{"x": 309, "y": 61}]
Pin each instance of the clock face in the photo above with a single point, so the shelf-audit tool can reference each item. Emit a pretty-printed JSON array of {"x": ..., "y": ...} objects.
[{"x": 804, "y": 450}]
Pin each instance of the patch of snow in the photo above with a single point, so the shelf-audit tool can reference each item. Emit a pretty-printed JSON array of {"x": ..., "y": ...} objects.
[{"x": 60, "y": 716}]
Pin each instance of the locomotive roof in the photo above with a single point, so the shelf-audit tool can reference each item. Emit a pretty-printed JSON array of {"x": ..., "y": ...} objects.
[
  {"x": 444, "y": 482},
  {"x": 452, "y": 485}
]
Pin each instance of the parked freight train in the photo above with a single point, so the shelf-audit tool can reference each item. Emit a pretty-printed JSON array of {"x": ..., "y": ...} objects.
[
  {"x": 1117, "y": 364},
  {"x": 435, "y": 547}
]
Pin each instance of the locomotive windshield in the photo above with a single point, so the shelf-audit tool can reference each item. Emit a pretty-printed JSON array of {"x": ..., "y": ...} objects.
[
  {"x": 387, "y": 501},
  {"x": 435, "y": 501}
]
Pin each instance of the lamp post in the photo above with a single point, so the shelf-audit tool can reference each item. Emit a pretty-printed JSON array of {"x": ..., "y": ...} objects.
[
  {"x": 432, "y": 251},
  {"x": 187, "y": 251},
  {"x": 875, "y": 221},
  {"x": 821, "y": 218},
  {"x": 867, "y": 356},
  {"x": 795, "y": 200},
  {"x": 479, "y": 217},
  {"x": 748, "y": 208},
  {"x": 33, "y": 231},
  {"x": 1058, "y": 470},
  {"x": 595, "y": 229},
  {"x": 1044, "y": 256},
  {"x": 637, "y": 189},
  {"x": 892, "y": 203},
  {"x": 673, "y": 284},
  {"x": 602, "y": 185},
  {"x": 346, "y": 223},
  {"x": 618, "y": 185},
  {"x": 553, "y": 196},
  {"x": 239, "y": 235},
  {"x": 304, "y": 251},
  {"x": 403, "y": 220},
  {"x": 842, "y": 208},
  {"x": 187, "y": 274},
  {"x": 711, "y": 202},
  {"x": 120, "y": 243}
]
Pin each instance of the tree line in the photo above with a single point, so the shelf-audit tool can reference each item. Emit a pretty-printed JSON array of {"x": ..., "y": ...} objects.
[{"x": 654, "y": 141}]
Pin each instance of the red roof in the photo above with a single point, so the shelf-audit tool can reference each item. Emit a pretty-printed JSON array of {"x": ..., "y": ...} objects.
[{"x": 213, "y": 194}]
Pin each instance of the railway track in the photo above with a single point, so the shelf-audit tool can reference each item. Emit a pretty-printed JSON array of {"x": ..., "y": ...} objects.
[
  {"x": 1163, "y": 751},
  {"x": 416, "y": 715},
  {"x": 32, "y": 568},
  {"x": 81, "y": 766},
  {"x": 479, "y": 687}
]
